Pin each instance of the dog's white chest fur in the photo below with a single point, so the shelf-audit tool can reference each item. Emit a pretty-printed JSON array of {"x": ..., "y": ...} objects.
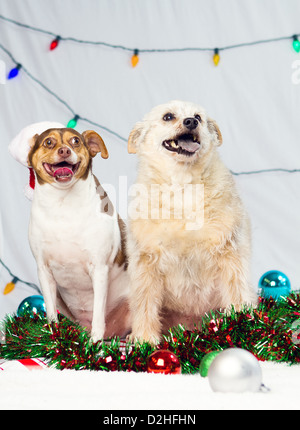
[{"x": 69, "y": 234}]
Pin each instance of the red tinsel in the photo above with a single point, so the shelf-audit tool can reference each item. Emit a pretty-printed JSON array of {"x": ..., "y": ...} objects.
[{"x": 270, "y": 332}]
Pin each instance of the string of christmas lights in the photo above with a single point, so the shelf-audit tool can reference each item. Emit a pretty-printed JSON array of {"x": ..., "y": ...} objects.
[
  {"x": 75, "y": 117},
  {"x": 11, "y": 285},
  {"x": 294, "y": 38},
  {"x": 73, "y": 121}
]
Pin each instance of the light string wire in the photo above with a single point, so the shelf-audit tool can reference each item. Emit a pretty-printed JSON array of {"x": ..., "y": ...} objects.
[
  {"x": 256, "y": 172},
  {"x": 125, "y": 48},
  {"x": 17, "y": 279},
  {"x": 59, "y": 99},
  {"x": 145, "y": 50}
]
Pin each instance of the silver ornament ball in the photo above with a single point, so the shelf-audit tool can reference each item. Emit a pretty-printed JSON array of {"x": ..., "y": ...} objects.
[{"x": 235, "y": 370}]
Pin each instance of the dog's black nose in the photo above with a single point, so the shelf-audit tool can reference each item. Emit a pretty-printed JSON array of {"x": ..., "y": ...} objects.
[{"x": 190, "y": 123}]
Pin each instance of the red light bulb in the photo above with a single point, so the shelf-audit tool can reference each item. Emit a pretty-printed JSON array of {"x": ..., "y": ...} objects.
[{"x": 54, "y": 43}]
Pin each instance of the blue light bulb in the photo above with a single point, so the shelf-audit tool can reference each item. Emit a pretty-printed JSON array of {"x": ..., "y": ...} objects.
[{"x": 14, "y": 72}]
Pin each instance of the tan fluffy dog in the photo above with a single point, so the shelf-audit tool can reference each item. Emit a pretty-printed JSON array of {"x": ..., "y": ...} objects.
[{"x": 188, "y": 253}]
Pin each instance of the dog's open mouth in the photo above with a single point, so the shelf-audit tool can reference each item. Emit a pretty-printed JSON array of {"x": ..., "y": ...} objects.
[
  {"x": 185, "y": 144},
  {"x": 62, "y": 172}
]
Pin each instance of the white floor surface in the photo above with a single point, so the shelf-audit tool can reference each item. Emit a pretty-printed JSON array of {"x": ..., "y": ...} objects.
[{"x": 70, "y": 389}]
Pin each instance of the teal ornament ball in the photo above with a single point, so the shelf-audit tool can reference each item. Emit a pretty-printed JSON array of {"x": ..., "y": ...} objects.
[
  {"x": 274, "y": 284},
  {"x": 31, "y": 306}
]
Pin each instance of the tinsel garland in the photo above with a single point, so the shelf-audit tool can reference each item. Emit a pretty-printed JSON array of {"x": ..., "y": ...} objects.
[{"x": 269, "y": 331}]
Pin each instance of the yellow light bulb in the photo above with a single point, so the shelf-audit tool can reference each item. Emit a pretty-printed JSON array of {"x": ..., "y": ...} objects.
[
  {"x": 10, "y": 286},
  {"x": 216, "y": 57}
]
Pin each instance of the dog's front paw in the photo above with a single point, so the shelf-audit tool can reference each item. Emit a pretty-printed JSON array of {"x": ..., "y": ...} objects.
[
  {"x": 153, "y": 339},
  {"x": 97, "y": 335}
]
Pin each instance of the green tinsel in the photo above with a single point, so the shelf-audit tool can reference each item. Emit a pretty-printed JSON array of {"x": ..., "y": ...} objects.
[{"x": 269, "y": 332}]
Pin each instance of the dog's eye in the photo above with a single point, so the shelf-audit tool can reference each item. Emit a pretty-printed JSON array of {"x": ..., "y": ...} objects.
[
  {"x": 198, "y": 117},
  {"x": 168, "y": 116},
  {"x": 49, "y": 143},
  {"x": 75, "y": 141}
]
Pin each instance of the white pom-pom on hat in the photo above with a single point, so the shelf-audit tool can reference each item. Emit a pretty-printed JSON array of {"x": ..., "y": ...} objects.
[{"x": 20, "y": 146}]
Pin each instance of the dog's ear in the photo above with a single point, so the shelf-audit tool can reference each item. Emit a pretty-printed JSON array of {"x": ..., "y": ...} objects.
[
  {"x": 32, "y": 148},
  {"x": 95, "y": 143},
  {"x": 215, "y": 131},
  {"x": 133, "y": 139}
]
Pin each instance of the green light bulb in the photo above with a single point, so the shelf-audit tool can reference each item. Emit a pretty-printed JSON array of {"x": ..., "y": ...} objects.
[
  {"x": 296, "y": 44},
  {"x": 73, "y": 122}
]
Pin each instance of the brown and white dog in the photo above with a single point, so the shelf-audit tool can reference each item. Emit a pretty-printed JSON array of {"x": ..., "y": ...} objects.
[
  {"x": 76, "y": 235},
  {"x": 197, "y": 258}
]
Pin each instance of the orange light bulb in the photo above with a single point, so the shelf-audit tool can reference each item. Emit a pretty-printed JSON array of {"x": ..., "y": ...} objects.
[{"x": 135, "y": 58}]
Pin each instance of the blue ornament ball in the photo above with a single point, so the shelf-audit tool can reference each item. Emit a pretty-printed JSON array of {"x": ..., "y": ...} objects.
[
  {"x": 274, "y": 284},
  {"x": 31, "y": 306}
]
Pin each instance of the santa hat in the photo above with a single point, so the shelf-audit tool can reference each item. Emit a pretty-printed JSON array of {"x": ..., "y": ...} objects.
[{"x": 20, "y": 146}]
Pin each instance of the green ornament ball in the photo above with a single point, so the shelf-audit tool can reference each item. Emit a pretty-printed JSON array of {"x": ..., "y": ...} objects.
[{"x": 206, "y": 362}]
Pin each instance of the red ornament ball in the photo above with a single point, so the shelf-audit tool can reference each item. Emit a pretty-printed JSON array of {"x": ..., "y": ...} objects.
[{"x": 163, "y": 361}]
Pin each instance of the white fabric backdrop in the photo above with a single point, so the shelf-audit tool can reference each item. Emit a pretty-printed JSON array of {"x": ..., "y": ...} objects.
[{"x": 250, "y": 94}]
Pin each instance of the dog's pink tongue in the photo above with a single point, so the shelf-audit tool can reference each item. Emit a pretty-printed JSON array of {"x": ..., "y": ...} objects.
[
  {"x": 63, "y": 171},
  {"x": 188, "y": 145}
]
